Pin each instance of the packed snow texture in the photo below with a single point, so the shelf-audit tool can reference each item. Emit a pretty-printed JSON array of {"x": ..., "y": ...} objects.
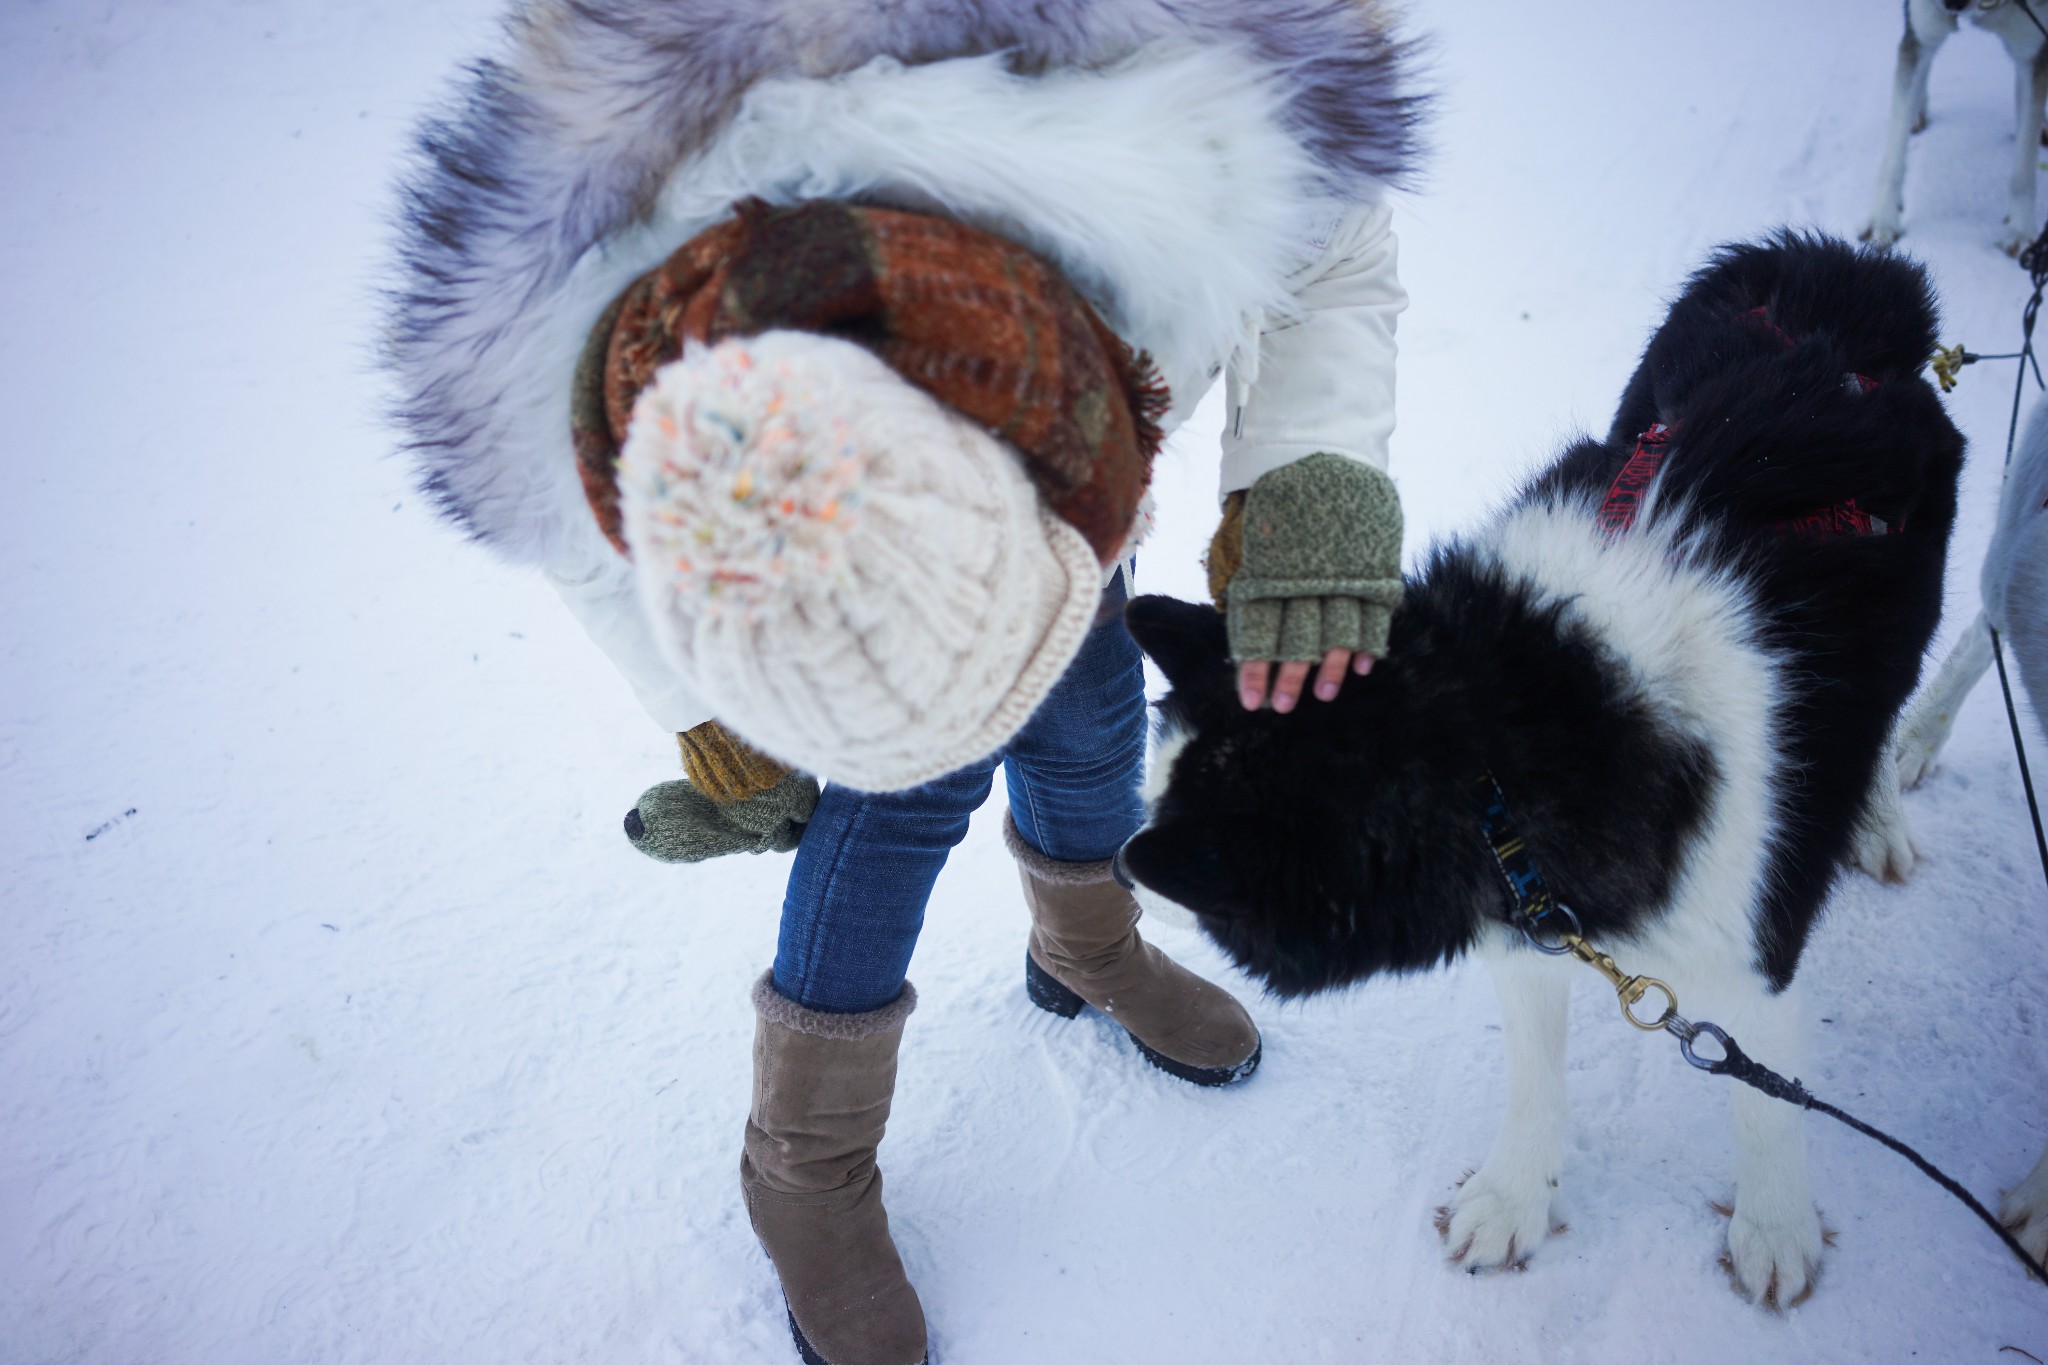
[{"x": 339, "y": 1023}]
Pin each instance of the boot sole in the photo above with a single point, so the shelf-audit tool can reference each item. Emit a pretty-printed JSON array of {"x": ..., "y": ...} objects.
[
  {"x": 809, "y": 1352},
  {"x": 1054, "y": 996}
]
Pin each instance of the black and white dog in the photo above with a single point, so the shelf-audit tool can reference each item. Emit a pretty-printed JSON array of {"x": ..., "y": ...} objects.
[{"x": 1679, "y": 653}]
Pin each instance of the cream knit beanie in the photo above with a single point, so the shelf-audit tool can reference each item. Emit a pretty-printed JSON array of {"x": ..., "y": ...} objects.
[{"x": 860, "y": 581}]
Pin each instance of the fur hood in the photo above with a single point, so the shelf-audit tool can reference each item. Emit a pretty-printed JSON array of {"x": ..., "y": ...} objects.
[{"x": 1166, "y": 154}]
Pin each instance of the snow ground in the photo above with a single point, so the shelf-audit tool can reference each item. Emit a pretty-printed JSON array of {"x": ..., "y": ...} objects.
[{"x": 338, "y": 1023}]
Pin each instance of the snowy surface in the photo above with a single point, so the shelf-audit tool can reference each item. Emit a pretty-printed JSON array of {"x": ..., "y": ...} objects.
[{"x": 338, "y": 1022}]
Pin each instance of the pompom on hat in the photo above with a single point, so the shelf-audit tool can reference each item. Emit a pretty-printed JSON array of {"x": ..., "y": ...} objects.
[
  {"x": 870, "y": 466},
  {"x": 857, "y": 579}
]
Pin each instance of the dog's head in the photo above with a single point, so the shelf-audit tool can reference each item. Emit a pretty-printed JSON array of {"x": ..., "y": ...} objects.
[{"x": 1296, "y": 841}]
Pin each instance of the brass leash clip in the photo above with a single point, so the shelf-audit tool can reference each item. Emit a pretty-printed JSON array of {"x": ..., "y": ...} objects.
[
  {"x": 1630, "y": 990},
  {"x": 1948, "y": 362}
]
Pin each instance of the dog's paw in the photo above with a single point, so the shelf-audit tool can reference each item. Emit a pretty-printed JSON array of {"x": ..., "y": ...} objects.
[
  {"x": 1774, "y": 1258},
  {"x": 2024, "y": 1211},
  {"x": 2015, "y": 239},
  {"x": 1884, "y": 846},
  {"x": 1497, "y": 1225},
  {"x": 1882, "y": 230}
]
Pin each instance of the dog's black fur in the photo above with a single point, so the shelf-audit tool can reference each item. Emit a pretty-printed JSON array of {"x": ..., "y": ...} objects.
[{"x": 1343, "y": 839}]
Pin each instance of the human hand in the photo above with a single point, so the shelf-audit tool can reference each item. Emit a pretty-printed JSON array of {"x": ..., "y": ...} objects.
[
  {"x": 1306, "y": 566},
  {"x": 674, "y": 822}
]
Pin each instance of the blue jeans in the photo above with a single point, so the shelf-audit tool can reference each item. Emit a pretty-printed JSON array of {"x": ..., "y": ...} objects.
[{"x": 868, "y": 860}]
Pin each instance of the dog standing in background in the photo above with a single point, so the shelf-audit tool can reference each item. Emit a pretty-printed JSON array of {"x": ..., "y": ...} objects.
[
  {"x": 1677, "y": 657},
  {"x": 2014, "y": 590},
  {"x": 1928, "y": 25}
]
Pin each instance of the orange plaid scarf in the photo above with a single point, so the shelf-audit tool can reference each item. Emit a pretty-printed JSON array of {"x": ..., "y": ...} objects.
[{"x": 976, "y": 321}]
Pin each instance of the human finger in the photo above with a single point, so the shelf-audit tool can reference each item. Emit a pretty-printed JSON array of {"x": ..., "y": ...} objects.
[
  {"x": 1252, "y": 676},
  {"x": 1288, "y": 683},
  {"x": 1330, "y": 676}
]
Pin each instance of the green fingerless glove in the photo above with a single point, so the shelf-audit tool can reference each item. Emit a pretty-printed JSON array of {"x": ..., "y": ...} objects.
[
  {"x": 676, "y": 823},
  {"x": 1321, "y": 562}
]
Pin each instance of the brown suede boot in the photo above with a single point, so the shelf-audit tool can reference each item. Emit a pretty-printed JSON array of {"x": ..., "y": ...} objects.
[
  {"x": 822, "y": 1084},
  {"x": 1085, "y": 949}
]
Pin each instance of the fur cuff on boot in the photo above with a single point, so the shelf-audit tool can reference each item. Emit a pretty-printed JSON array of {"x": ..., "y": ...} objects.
[
  {"x": 1052, "y": 871},
  {"x": 778, "y": 1008}
]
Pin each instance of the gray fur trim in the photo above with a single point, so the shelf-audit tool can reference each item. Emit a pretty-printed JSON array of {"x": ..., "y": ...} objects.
[
  {"x": 563, "y": 140},
  {"x": 1052, "y": 871},
  {"x": 778, "y": 1008}
]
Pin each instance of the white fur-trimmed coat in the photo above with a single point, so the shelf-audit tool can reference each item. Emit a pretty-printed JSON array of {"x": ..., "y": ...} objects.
[{"x": 1207, "y": 172}]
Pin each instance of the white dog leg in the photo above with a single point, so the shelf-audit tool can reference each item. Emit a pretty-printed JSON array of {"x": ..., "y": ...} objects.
[
  {"x": 1919, "y": 737},
  {"x": 1504, "y": 1210},
  {"x": 2025, "y": 1210},
  {"x": 1774, "y": 1237},
  {"x": 1883, "y": 842},
  {"x": 1919, "y": 97},
  {"x": 1909, "y": 111},
  {"x": 2030, "y": 79}
]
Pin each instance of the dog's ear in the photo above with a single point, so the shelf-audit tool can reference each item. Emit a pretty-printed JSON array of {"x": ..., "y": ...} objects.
[
  {"x": 1186, "y": 639},
  {"x": 1182, "y": 864}
]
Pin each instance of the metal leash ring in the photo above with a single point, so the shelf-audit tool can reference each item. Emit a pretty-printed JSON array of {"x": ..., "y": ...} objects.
[
  {"x": 1529, "y": 926},
  {"x": 1686, "y": 1039}
]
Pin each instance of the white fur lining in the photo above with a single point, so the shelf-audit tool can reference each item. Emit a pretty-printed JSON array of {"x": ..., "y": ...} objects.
[{"x": 1165, "y": 187}]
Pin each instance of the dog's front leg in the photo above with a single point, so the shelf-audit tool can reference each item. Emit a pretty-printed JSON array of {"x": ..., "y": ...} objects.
[
  {"x": 1504, "y": 1210},
  {"x": 2031, "y": 90},
  {"x": 1774, "y": 1237},
  {"x": 1919, "y": 737},
  {"x": 1909, "y": 106},
  {"x": 1882, "y": 843}
]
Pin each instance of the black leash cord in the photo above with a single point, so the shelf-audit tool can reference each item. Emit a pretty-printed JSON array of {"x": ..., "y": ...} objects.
[
  {"x": 1742, "y": 1067},
  {"x": 2033, "y": 260}
]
